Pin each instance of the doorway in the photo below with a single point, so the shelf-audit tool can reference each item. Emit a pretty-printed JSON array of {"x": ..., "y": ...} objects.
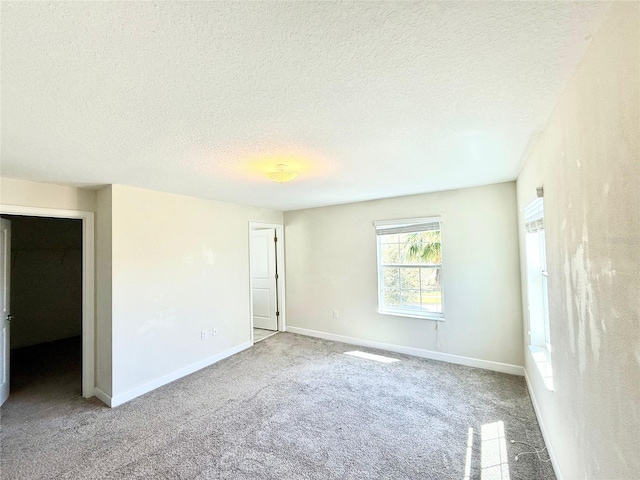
[
  {"x": 266, "y": 265},
  {"x": 50, "y": 265},
  {"x": 45, "y": 300}
]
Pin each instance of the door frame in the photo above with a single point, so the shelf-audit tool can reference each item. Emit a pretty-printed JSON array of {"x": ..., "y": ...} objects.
[
  {"x": 88, "y": 279},
  {"x": 282, "y": 320}
]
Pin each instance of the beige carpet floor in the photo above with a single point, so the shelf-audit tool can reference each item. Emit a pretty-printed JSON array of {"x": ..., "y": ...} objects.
[{"x": 290, "y": 407}]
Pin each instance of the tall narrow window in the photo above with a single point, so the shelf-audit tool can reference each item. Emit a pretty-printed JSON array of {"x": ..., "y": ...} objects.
[
  {"x": 410, "y": 268},
  {"x": 537, "y": 290}
]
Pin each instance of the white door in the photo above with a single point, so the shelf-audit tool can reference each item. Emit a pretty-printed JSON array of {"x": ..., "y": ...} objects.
[
  {"x": 263, "y": 279},
  {"x": 5, "y": 269}
]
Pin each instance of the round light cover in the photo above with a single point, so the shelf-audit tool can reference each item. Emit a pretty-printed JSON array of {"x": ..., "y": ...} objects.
[{"x": 282, "y": 174}]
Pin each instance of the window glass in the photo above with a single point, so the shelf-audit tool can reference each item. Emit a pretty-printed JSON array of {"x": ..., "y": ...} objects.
[{"x": 410, "y": 268}]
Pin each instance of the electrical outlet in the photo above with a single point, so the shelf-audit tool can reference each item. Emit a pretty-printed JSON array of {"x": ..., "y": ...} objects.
[
  {"x": 336, "y": 314},
  {"x": 215, "y": 331},
  {"x": 203, "y": 335}
]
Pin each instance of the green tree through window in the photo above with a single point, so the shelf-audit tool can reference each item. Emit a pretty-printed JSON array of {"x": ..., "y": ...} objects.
[{"x": 409, "y": 269}]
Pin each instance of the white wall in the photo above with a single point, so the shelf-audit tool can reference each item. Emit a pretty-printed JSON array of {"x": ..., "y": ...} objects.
[
  {"x": 588, "y": 159},
  {"x": 179, "y": 265},
  {"x": 331, "y": 265}
]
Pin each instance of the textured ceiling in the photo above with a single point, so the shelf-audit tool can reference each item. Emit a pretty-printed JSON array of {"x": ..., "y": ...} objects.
[{"x": 365, "y": 100}]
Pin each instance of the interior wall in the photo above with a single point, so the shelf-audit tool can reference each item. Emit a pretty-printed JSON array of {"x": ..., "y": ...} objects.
[
  {"x": 46, "y": 279},
  {"x": 46, "y": 195},
  {"x": 588, "y": 159},
  {"x": 180, "y": 265},
  {"x": 331, "y": 264},
  {"x": 104, "y": 302}
]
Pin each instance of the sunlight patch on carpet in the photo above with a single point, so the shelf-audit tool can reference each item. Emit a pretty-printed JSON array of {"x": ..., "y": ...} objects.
[
  {"x": 467, "y": 463},
  {"x": 495, "y": 464},
  {"x": 371, "y": 356}
]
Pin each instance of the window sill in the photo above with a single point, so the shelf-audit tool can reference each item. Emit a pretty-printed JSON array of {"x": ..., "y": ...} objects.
[
  {"x": 434, "y": 316},
  {"x": 543, "y": 362}
]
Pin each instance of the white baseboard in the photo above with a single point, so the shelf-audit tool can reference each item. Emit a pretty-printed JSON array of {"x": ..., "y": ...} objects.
[
  {"x": 106, "y": 399},
  {"x": 545, "y": 436},
  {"x": 149, "y": 386},
  {"x": 416, "y": 352}
]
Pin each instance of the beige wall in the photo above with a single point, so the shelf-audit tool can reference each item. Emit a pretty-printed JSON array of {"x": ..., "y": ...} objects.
[
  {"x": 167, "y": 267},
  {"x": 331, "y": 265},
  {"x": 179, "y": 265},
  {"x": 46, "y": 195},
  {"x": 103, "y": 354},
  {"x": 588, "y": 159}
]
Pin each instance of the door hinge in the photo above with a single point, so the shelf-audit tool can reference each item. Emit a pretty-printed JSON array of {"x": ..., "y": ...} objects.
[
  {"x": 277, "y": 314},
  {"x": 275, "y": 239},
  {"x": 277, "y": 276}
]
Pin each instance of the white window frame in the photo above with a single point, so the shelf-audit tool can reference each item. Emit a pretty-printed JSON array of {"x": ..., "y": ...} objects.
[
  {"x": 400, "y": 312},
  {"x": 537, "y": 289}
]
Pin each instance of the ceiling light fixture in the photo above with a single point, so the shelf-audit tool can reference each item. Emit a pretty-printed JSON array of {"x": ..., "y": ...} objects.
[{"x": 282, "y": 174}]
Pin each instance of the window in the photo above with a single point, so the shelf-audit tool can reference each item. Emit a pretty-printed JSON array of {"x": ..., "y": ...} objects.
[
  {"x": 410, "y": 268},
  {"x": 537, "y": 290}
]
